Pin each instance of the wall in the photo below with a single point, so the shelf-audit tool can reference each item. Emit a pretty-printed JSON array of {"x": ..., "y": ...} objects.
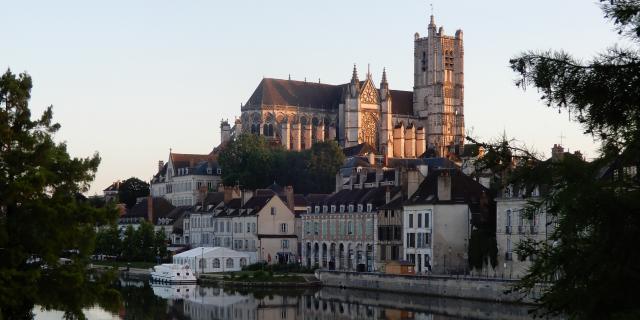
[{"x": 466, "y": 288}]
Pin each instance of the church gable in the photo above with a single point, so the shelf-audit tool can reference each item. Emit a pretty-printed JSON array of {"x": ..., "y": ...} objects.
[{"x": 369, "y": 93}]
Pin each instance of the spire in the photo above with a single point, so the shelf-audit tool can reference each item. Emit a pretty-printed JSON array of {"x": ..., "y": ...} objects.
[
  {"x": 368, "y": 71},
  {"x": 384, "y": 76},
  {"x": 354, "y": 77}
]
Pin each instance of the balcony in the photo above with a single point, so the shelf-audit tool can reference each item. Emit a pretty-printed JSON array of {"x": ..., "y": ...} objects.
[
  {"x": 508, "y": 256},
  {"x": 507, "y": 230}
]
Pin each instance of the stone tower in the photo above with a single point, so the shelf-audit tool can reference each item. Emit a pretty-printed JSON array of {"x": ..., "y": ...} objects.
[{"x": 438, "y": 90}]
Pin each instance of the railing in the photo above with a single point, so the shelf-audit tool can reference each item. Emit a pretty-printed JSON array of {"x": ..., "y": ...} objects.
[{"x": 507, "y": 230}]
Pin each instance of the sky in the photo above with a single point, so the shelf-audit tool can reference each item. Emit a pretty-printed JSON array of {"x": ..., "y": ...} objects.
[{"x": 133, "y": 79}]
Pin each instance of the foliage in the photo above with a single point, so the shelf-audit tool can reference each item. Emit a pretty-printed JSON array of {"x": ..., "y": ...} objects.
[
  {"x": 590, "y": 260},
  {"x": 483, "y": 249},
  {"x": 142, "y": 244},
  {"x": 253, "y": 163},
  {"x": 42, "y": 213},
  {"x": 132, "y": 189},
  {"x": 108, "y": 241},
  {"x": 247, "y": 160}
]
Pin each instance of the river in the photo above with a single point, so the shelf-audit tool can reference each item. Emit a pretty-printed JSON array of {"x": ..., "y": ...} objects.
[{"x": 142, "y": 300}]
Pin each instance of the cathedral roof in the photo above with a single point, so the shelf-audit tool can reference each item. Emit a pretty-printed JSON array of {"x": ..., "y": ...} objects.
[
  {"x": 296, "y": 93},
  {"x": 316, "y": 95}
]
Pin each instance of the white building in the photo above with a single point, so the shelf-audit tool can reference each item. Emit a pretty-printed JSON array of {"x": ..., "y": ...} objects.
[
  {"x": 437, "y": 221},
  {"x": 185, "y": 177},
  {"x": 213, "y": 259}
]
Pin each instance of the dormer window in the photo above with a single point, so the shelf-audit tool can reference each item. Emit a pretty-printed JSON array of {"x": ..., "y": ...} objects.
[
  {"x": 209, "y": 171},
  {"x": 186, "y": 171},
  {"x": 351, "y": 208},
  {"x": 219, "y": 171},
  {"x": 342, "y": 208},
  {"x": 333, "y": 208},
  {"x": 360, "y": 207},
  {"x": 325, "y": 209},
  {"x": 308, "y": 209},
  {"x": 369, "y": 207}
]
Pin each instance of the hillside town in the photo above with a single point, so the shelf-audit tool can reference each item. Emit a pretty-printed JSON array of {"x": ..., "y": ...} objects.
[
  {"x": 407, "y": 194},
  {"x": 368, "y": 196}
]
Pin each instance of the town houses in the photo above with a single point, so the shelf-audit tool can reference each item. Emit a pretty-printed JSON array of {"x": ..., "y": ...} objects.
[{"x": 407, "y": 195}]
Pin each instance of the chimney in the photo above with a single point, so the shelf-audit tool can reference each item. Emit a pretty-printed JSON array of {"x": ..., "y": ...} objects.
[
  {"x": 288, "y": 191},
  {"x": 444, "y": 186},
  {"x": 557, "y": 152},
  {"x": 150, "y": 209},
  {"x": 160, "y": 165},
  {"x": 228, "y": 194},
  {"x": 202, "y": 194}
]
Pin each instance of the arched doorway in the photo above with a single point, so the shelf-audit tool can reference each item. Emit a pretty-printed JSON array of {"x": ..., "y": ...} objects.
[
  {"x": 324, "y": 255},
  {"x": 332, "y": 257}
]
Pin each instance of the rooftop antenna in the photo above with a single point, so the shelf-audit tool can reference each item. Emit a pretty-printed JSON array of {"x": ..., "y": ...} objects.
[
  {"x": 561, "y": 138},
  {"x": 431, "y": 5}
]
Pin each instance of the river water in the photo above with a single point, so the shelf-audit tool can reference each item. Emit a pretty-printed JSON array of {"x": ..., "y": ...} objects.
[{"x": 142, "y": 300}]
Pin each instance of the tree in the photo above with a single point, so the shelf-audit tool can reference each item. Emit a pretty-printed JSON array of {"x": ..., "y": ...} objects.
[
  {"x": 247, "y": 160},
  {"x": 130, "y": 244},
  {"x": 146, "y": 238},
  {"x": 160, "y": 244},
  {"x": 250, "y": 161},
  {"x": 132, "y": 189},
  {"x": 108, "y": 241},
  {"x": 591, "y": 262},
  {"x": 40, "y": 213},
  {"x": 325, "y": 159}
]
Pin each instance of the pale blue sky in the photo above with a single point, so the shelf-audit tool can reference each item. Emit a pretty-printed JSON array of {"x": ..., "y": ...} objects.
[{"x": 131, "y": 79}]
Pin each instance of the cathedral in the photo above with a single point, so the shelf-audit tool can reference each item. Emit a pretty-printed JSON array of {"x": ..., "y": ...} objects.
[{"x": 396, "y": 123}]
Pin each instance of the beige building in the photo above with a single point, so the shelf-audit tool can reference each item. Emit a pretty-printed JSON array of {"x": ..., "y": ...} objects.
[
  {"x": 397, "y": 123},
  {"x": 437, "y": 221},
  {"x": 277, "y": 240}
]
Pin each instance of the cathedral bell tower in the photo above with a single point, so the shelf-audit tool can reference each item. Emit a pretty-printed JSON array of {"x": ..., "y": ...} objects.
[{"x": 438, "y": 89}]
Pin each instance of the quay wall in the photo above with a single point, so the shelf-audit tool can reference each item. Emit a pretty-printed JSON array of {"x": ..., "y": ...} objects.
[{"x": 485, "y": 289}]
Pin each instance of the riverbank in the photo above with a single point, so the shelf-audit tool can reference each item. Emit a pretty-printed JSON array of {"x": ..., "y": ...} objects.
[
  {"x": 481, "y": 289},
  {"x": 260, "y": 279}
]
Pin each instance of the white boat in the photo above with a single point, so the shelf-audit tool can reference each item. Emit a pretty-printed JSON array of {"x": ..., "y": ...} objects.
[{"x": 173, "y": 273}]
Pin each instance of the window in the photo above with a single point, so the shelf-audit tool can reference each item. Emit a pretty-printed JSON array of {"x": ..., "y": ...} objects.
[
  {"x": 229, "y": 263},
  {"x": 283, "y": 228},
  {"x": 316, "y": 226},
  {"x": 350, "y": 227},
  {"x": 273, "y": 211},
  {"x": 369, "y": 207},
  {"x": 351, "y": 208},
  {"x": 325, "y": 208},
  {"x": 333, "y": 208},
  {"x": 342, "y": 208},
  {"x": 219, "y": 171},
  {"x": 411, "y": 240},
  {"x": 285, "y": 244},
  {"x": 426, "y": 219},
  {"x": 317, "y": 209},
  {"x": 216, "y": 263},
  {"x": 419, "y": 220},
  {"x": 360, "y": 207},
  {"x": 248, "y": 227},
  {"x": 509, "y": 217},
  {"x": 243, "y": 262},
  {"x": 410, "y": 220}
]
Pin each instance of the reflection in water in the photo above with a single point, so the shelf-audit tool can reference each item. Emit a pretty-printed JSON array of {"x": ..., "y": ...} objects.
[{"x": 142, "y": 300}]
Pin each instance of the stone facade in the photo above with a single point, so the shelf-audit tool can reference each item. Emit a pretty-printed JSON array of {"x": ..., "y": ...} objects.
[
  {"x": 396, "y": 123},
  {"x": 512, "y": 227}
]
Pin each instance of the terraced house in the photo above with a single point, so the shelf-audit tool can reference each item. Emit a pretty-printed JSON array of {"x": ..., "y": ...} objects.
[{"x": 339, "y": 232}]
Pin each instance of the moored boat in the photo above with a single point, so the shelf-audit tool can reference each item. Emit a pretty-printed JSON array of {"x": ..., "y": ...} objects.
[{"x": 173, "y": 273}]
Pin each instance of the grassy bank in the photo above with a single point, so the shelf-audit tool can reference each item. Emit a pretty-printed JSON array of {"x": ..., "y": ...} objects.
[{"x": 123, "y": 264}]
